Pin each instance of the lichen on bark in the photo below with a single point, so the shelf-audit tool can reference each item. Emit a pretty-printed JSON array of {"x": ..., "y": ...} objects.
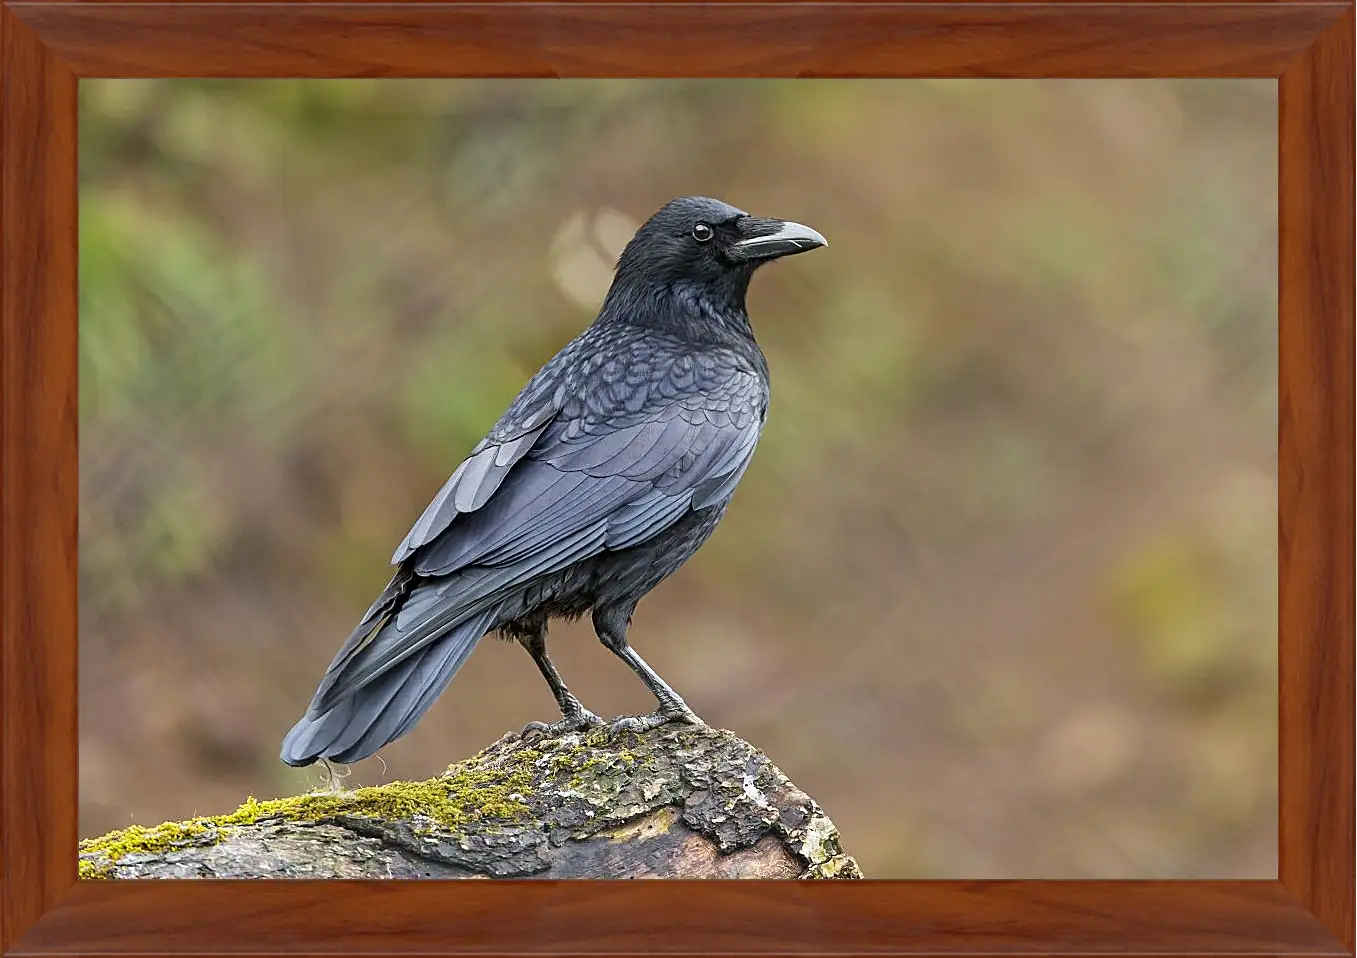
[{"x": 677, "y": 801}]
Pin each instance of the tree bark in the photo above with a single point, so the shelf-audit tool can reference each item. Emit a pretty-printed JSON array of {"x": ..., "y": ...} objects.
[{"x": 674, "y": 802}]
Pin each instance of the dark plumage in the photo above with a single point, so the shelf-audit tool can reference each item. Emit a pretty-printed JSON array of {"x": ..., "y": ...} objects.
[{"x": 610, "y": 468}]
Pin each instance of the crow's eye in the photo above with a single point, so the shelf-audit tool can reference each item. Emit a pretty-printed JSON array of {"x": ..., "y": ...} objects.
[{"x": 702, "y": 232}]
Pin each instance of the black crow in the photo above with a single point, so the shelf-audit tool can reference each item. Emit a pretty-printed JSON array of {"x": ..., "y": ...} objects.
[{"x": 610, "y": 468}]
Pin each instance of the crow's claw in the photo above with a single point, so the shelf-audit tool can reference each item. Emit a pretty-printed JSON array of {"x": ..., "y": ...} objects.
[
  {"x": 574, "y": 722},
  {"x": 662, "y": 716}
]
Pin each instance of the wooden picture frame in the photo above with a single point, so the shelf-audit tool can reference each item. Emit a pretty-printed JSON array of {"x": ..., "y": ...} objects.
[{"x": 48, "y": 46}]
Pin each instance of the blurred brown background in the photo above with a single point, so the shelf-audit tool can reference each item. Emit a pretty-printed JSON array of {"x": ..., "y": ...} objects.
[{"x": 1000, "y": 587}]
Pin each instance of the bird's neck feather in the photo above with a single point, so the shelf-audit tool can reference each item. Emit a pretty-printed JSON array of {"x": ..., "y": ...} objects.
[{"x": 703, "y": 312}]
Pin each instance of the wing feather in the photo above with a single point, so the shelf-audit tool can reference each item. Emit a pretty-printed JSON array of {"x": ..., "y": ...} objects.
[
  {"x": 644, "y": 518},
  {"x": 480, "y": 477},
  {"x": 599, "y": 498},
  {"x": 678, "y": 434},
  {"x": 473, "y": 482},
  {"x": 726, "y": 476},
  {"x": 603, "y": 450}
]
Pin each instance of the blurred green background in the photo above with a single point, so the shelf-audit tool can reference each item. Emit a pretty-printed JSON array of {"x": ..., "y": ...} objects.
[{"x": 1000, "y": 588}]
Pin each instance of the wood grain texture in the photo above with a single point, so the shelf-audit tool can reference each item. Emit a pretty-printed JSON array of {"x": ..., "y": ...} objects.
[
  {"x": 668, "y": 39},
  {"x": 44, "y": 46},
  {"x": 1315, "y": 495},
  {"x": 38, "y": 484},
  {"x": 663, "y": 3},
  {"x": 680, "y": 918}
]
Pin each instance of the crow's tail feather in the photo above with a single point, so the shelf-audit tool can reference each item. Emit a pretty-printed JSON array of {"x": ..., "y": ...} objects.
[{"x": 386, "y": 708}]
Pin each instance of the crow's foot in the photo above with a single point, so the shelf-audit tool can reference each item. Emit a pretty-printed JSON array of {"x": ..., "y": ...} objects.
[
  {"x": 576, "y": 721},
  {"x": 662, "y": 716}
]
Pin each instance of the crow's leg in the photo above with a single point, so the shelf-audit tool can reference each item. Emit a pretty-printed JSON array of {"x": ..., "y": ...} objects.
[
  {"x": 574, "y": 716},
  {"x": 611, "y": 625}
]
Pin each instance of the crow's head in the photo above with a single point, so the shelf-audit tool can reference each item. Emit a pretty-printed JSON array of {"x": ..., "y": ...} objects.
[{"x": 699, "y": 241}]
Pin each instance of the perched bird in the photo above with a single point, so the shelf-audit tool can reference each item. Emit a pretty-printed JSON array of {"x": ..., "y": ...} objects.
[{"x": 607, "y": 472}]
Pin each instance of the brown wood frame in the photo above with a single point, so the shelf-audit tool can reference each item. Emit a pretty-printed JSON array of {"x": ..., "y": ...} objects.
[{"x": 46, "y": 46}]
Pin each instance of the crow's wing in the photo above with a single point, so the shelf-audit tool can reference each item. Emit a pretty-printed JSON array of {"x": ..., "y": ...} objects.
[
  {"x": 580, "y": 490},
  {"x": 473, "y": 482},
  {"x": 632, "y": 481}
]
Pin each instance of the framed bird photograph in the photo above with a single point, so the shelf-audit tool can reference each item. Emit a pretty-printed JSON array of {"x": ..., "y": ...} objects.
[
  {"x": 368, "y": 375},
  {"x": 900, "y": 461}
]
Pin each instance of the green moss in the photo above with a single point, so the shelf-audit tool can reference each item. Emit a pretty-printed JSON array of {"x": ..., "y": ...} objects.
[
  {"x": 137, "y": 839},
  {"x": 469, "y": 791},
  {"x": 560, "y": 761},
  {"x": 91, "y": 869},
  {"x": 603, "y": 773}
]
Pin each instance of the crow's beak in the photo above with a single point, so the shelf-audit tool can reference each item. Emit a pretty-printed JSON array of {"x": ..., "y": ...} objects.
[{"x": 769, "y": 239}]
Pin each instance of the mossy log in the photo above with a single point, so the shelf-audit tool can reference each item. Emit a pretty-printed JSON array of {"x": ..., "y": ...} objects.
[{"x": 674, "y": 802}]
